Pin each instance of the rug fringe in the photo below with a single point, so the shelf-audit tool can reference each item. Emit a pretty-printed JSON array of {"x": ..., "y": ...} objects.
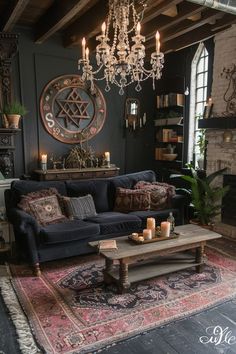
[{"x": 25, "y": 338}]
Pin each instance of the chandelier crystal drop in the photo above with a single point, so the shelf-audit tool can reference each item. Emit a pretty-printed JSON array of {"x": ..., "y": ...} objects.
[{"x": 121, "y": 61}]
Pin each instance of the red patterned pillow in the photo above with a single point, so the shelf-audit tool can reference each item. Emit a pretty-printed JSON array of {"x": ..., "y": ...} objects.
[
  {"x": 131, "y": 200},
  {"x": 161, "y": 193},
  {"x": 26, "y": 204},
  {"x": 47, "y": 210}
]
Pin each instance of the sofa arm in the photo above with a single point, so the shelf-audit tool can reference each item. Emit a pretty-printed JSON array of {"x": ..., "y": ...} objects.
[{"x": 26, "y": 230}]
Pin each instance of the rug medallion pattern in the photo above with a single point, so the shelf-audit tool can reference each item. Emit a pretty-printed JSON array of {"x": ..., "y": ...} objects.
[{"x": 71, "y": 311}]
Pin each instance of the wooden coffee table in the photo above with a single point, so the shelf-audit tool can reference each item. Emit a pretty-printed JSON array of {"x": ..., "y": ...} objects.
[{"x": 132, "y": 262}]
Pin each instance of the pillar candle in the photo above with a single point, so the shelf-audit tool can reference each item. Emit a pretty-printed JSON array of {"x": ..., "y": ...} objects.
[
  {"x": 157, "y": 42},
  {"x": 147, "y": 234},
  {"x": 83, "y": 47},
  {"x": 151, "y": 224},
  {"x": 165, "y": 229},
  {"x": 44, "y": 158},
  {"x": 107, "y": 156}
]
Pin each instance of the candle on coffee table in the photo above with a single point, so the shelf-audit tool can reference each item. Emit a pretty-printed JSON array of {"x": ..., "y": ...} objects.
[
  {"x": 165, "y": 229},
  {"x": 151, "y": 224},
  {"x": 147, "y": 234}
]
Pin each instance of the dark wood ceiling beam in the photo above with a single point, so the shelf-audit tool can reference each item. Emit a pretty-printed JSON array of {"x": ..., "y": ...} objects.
[
  {"x": 227, "y": 20},
  {"x": 164, "y": 22},
  {"x": 198, "y": 35},
  {"x": 87, "y": 26},
  {"x": 12, "y": 14},
  {"x": 187, "y": 26},
  {"x": 164, "y": 6},
  {"x": 57, "y": 17}
]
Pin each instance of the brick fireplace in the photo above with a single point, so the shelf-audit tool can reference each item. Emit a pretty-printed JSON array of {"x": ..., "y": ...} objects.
[{"x": 221, "y": 154}]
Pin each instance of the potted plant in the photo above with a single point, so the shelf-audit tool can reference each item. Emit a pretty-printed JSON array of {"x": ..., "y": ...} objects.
[
  {"x": 12, "y": 113},
  {"x": 205, "y": 197},
  {"x": 201, "y": 143}
]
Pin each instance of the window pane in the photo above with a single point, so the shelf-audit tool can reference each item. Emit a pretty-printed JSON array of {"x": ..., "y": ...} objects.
[
  {"x": 199, "y": 108},
  {"x": 200, "y": 95},
  {"x": 200, "y": 66},
  {"x": 206, "y": 63},
  {"x": 200, "y": 80}
]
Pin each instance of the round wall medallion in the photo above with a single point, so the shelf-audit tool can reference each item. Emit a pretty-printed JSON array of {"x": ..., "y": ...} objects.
[{"x": 70, "y": 110}]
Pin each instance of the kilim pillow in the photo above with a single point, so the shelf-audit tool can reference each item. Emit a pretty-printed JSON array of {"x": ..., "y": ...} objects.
[
  {"x": 161, "y": 193},
  {"x": 80, "y": 208},
  {"x": 25, "y": 199},
  {"x": 47, "y": 210},
  {"x": 131, "y": 200}
]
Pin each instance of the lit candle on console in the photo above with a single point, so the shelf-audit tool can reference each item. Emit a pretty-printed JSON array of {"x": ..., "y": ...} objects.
[
  {"x": 158, "y": 42},
  {"x": 107, "y": 156},
  {"x": 83, "y": 48},
  {"x": 44, "y": 159},
  {"x": 147, "y": 234},
  {"x": 151, "y": 224},
  {"x": 165, "y": 229}
]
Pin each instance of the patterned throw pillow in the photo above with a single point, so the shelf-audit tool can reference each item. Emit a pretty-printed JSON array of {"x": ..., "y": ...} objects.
[
  {"x": 47, "y": 210},
  {"x": 131, "y": 200},
  {"x": 27, "y": 198},
  {"x": 80, "y": 208},
  {"x": 161, "y": 193}
]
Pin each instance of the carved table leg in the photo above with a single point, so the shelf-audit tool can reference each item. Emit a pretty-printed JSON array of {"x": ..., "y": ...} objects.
[
  {"x": 124, "y": 279},
  {"x": 200, "y": 258},
  {"x": 37, "y": 270},
  {"x": 107, "y": 270}
]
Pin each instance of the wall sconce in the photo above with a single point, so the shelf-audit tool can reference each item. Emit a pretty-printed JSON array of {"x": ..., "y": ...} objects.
[{"x": 133, "y": 120}]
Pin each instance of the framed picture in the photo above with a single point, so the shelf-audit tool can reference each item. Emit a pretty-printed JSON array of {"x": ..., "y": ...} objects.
[{"x": 207, "y": 110}]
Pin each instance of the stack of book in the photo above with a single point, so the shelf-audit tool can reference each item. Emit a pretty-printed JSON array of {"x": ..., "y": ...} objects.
[{"x": 107, "y": 245}]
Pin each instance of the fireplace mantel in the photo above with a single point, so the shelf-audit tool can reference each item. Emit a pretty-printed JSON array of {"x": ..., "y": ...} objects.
[{"x": 217, "y": 123}]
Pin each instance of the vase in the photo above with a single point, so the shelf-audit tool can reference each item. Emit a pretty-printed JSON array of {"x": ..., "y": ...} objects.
[{"x": 13, "y": 120}]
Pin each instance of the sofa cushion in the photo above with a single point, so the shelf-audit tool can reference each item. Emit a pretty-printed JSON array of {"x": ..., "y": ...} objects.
[
  {"x": 127, "y": 181},
  {"x": 25, "y": 200},
  {"x": 70, "y": 230},
  {"x": 47, "y": 210},
  {"x": 79, "y": 208},
  {"x": 161, "y": 193},
  {"x": 24, "y": 187},
  {"x": 116, "y": 223},
  {"x": 97, "y": 189},
  {"x": 131, "y": 199},
  {"x": 159, "y": 215}
]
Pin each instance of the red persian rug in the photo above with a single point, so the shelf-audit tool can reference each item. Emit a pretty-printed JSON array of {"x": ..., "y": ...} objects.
[{"x": 70, "y": 310}]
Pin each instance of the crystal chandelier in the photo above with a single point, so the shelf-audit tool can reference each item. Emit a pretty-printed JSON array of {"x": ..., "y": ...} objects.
[{"x": 121, "y": 61}]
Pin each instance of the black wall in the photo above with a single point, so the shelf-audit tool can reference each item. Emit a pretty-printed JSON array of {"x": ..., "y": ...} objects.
[{"x": 36, "y": 65}]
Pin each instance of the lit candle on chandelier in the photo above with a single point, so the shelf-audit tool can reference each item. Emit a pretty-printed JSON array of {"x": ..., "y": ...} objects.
[
  {"x": 83, "y": 48},
  {"x": 87, "y": 54},
  {"x": 138, "y": 28},
  {"x": 103, "y": 28},
  {"x": 158, "y": 42}
]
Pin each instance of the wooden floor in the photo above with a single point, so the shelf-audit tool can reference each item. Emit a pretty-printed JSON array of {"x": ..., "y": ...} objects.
[{"x": 182, "y": 337}]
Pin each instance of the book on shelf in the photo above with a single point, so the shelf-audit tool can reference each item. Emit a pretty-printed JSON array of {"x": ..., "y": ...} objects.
[
  {"x": 107, "y": 245},
  {"x": 169, "y": 100}
]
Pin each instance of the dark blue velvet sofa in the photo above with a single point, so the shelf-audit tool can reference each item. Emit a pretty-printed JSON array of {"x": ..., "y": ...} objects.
[{"x": 39, "y": 244}]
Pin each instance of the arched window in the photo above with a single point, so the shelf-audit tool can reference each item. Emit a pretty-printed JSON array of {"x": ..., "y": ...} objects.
[{"x": 198, "y": 97}]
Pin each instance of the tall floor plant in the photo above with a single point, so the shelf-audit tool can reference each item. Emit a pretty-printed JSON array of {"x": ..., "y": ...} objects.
[{"x": 205, "y": 198}]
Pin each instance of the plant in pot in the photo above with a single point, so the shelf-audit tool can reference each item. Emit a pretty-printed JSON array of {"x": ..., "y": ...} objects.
[
  {"x": 12, "y": 113},
  {"x": 205, "y": 197}
]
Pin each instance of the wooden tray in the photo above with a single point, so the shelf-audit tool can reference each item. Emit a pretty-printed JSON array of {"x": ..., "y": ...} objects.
[{"x": 156, "y": 239}]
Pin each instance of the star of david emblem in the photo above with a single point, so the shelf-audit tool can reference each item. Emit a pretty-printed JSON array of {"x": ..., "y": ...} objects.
[
  {"x": 70, "y": 110},
  {"x": 73, "y": 108}
]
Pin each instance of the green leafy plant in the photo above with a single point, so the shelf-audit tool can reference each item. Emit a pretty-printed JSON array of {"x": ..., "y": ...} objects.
[
  {"x": 205, "y": 198},
  {"x": 14, "y": 108},
  {"x": 201, "y": 142}
]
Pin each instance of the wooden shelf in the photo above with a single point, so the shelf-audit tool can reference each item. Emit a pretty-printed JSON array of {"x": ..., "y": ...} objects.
[
  {"x": 173, "y": 161},
  {"x": 217, "y": 123}
]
